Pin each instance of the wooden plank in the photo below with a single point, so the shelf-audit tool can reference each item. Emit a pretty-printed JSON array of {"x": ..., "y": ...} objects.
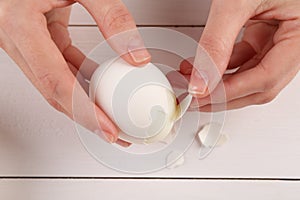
[
  {"x": 155, "y": 12},
  {"x": 86, "y": 38},
  {"x": 147, "y": 189},
  {"x": 35, "y": 140}
]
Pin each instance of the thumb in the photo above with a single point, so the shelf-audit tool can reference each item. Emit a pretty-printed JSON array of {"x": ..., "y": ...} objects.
[
  {"x": 226, "y": 19},
  {"x": 119, "y": 28}
]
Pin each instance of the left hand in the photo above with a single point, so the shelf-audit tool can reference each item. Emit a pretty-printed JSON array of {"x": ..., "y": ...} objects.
[{"x": 58, "y": 20}]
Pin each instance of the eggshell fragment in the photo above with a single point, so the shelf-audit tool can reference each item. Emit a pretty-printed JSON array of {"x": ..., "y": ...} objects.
[
  {"x": 210, "y": 135},
  {"x": 184, "y": 106},
  {"x": 174, "y": 160}
]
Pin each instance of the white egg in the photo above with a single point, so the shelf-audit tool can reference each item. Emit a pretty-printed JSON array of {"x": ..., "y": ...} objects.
[{"x": 140, "y": 100}]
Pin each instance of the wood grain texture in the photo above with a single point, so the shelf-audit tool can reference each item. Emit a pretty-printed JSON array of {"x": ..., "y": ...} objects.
[
  {"x": 35, "y": 140},
  {"x": 147, "y": 189},
  {"x": 155, "y": 12},
  {"x": 86, "y": 38}
]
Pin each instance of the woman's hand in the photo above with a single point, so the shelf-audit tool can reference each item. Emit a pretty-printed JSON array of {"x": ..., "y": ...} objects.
[
  {"x": 34, "y": 34},
  {"x": 266, "y": 59}
]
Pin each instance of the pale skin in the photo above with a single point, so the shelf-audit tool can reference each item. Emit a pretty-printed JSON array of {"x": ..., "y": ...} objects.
[
  {"x": 267, "y": 58},
  {"x": 34, "y": 34}
]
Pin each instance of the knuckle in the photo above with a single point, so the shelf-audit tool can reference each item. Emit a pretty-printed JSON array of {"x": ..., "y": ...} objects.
[
  {"x": 58, "y": 87},
  {"x": 269, "y": 82},
  {"x": 117, "y": 17},
  {"x": 269, "y": 85},
  {"x": 257, "y": 58},
  {"x": 216, "y": 47},
  {"x": 50, "y": 84}
]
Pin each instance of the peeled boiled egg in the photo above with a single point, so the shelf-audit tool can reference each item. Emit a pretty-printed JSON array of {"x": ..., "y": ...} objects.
[{"x": 140, "y": 100}]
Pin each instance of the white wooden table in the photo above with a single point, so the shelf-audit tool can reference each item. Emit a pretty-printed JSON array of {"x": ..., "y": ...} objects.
[{"x": 41, "y": 156}]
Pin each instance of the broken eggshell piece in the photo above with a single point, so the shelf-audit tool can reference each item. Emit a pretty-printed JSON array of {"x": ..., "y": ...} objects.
[
  {"x": 210, "y": 135},
  {"x": 140, "y": 100}
]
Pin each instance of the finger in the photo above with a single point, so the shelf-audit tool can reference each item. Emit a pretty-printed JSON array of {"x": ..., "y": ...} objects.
[
  {"x": 278, "y": 73},
  {"x": 215, "y": 47},
  {"x": 59, "y": 15},
  {"x": 236, "y": 104},
  {"x": 112, "y": 18},
  {"x": 242, "y": 52},
  {"x": 259, "y": 35},
  {"x": 247, "y": 80},
  {"x": 177, "y": 80},
  {"x": 250, "y": 64},
  {"x": 52, "y": 72},
  {"x": 81, "y": 80},
  {"x": 123, "y": 143},
  {"x": 15, "y": 54},
  {"x": 254, "y": 99},
  {"x": 186, "y": 66},
  {"x": 274, "y": 72},
  {"x": 236, "y": 86},
  {"x": 57, "y": 25},
  {"x": 85, "y": 65}
]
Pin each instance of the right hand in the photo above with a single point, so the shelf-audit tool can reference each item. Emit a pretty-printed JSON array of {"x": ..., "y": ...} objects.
[
  {"x": 34, "y": 34},
  {"x": 266, "y": 59}
]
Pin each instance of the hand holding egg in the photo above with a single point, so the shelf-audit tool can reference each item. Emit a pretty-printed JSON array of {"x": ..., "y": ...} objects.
[{"x": 140, "y": 100}]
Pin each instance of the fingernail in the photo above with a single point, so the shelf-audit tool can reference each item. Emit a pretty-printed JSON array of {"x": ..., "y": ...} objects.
[
  {"x": 123, "y": 143},
  {"x": 137, "y": 51},
  {"x": 199, "y": 83},
  {"x": 106, "y": 136}
]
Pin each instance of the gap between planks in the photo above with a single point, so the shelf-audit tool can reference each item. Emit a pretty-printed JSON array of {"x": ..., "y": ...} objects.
[{"x": 148, "y": 178}]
